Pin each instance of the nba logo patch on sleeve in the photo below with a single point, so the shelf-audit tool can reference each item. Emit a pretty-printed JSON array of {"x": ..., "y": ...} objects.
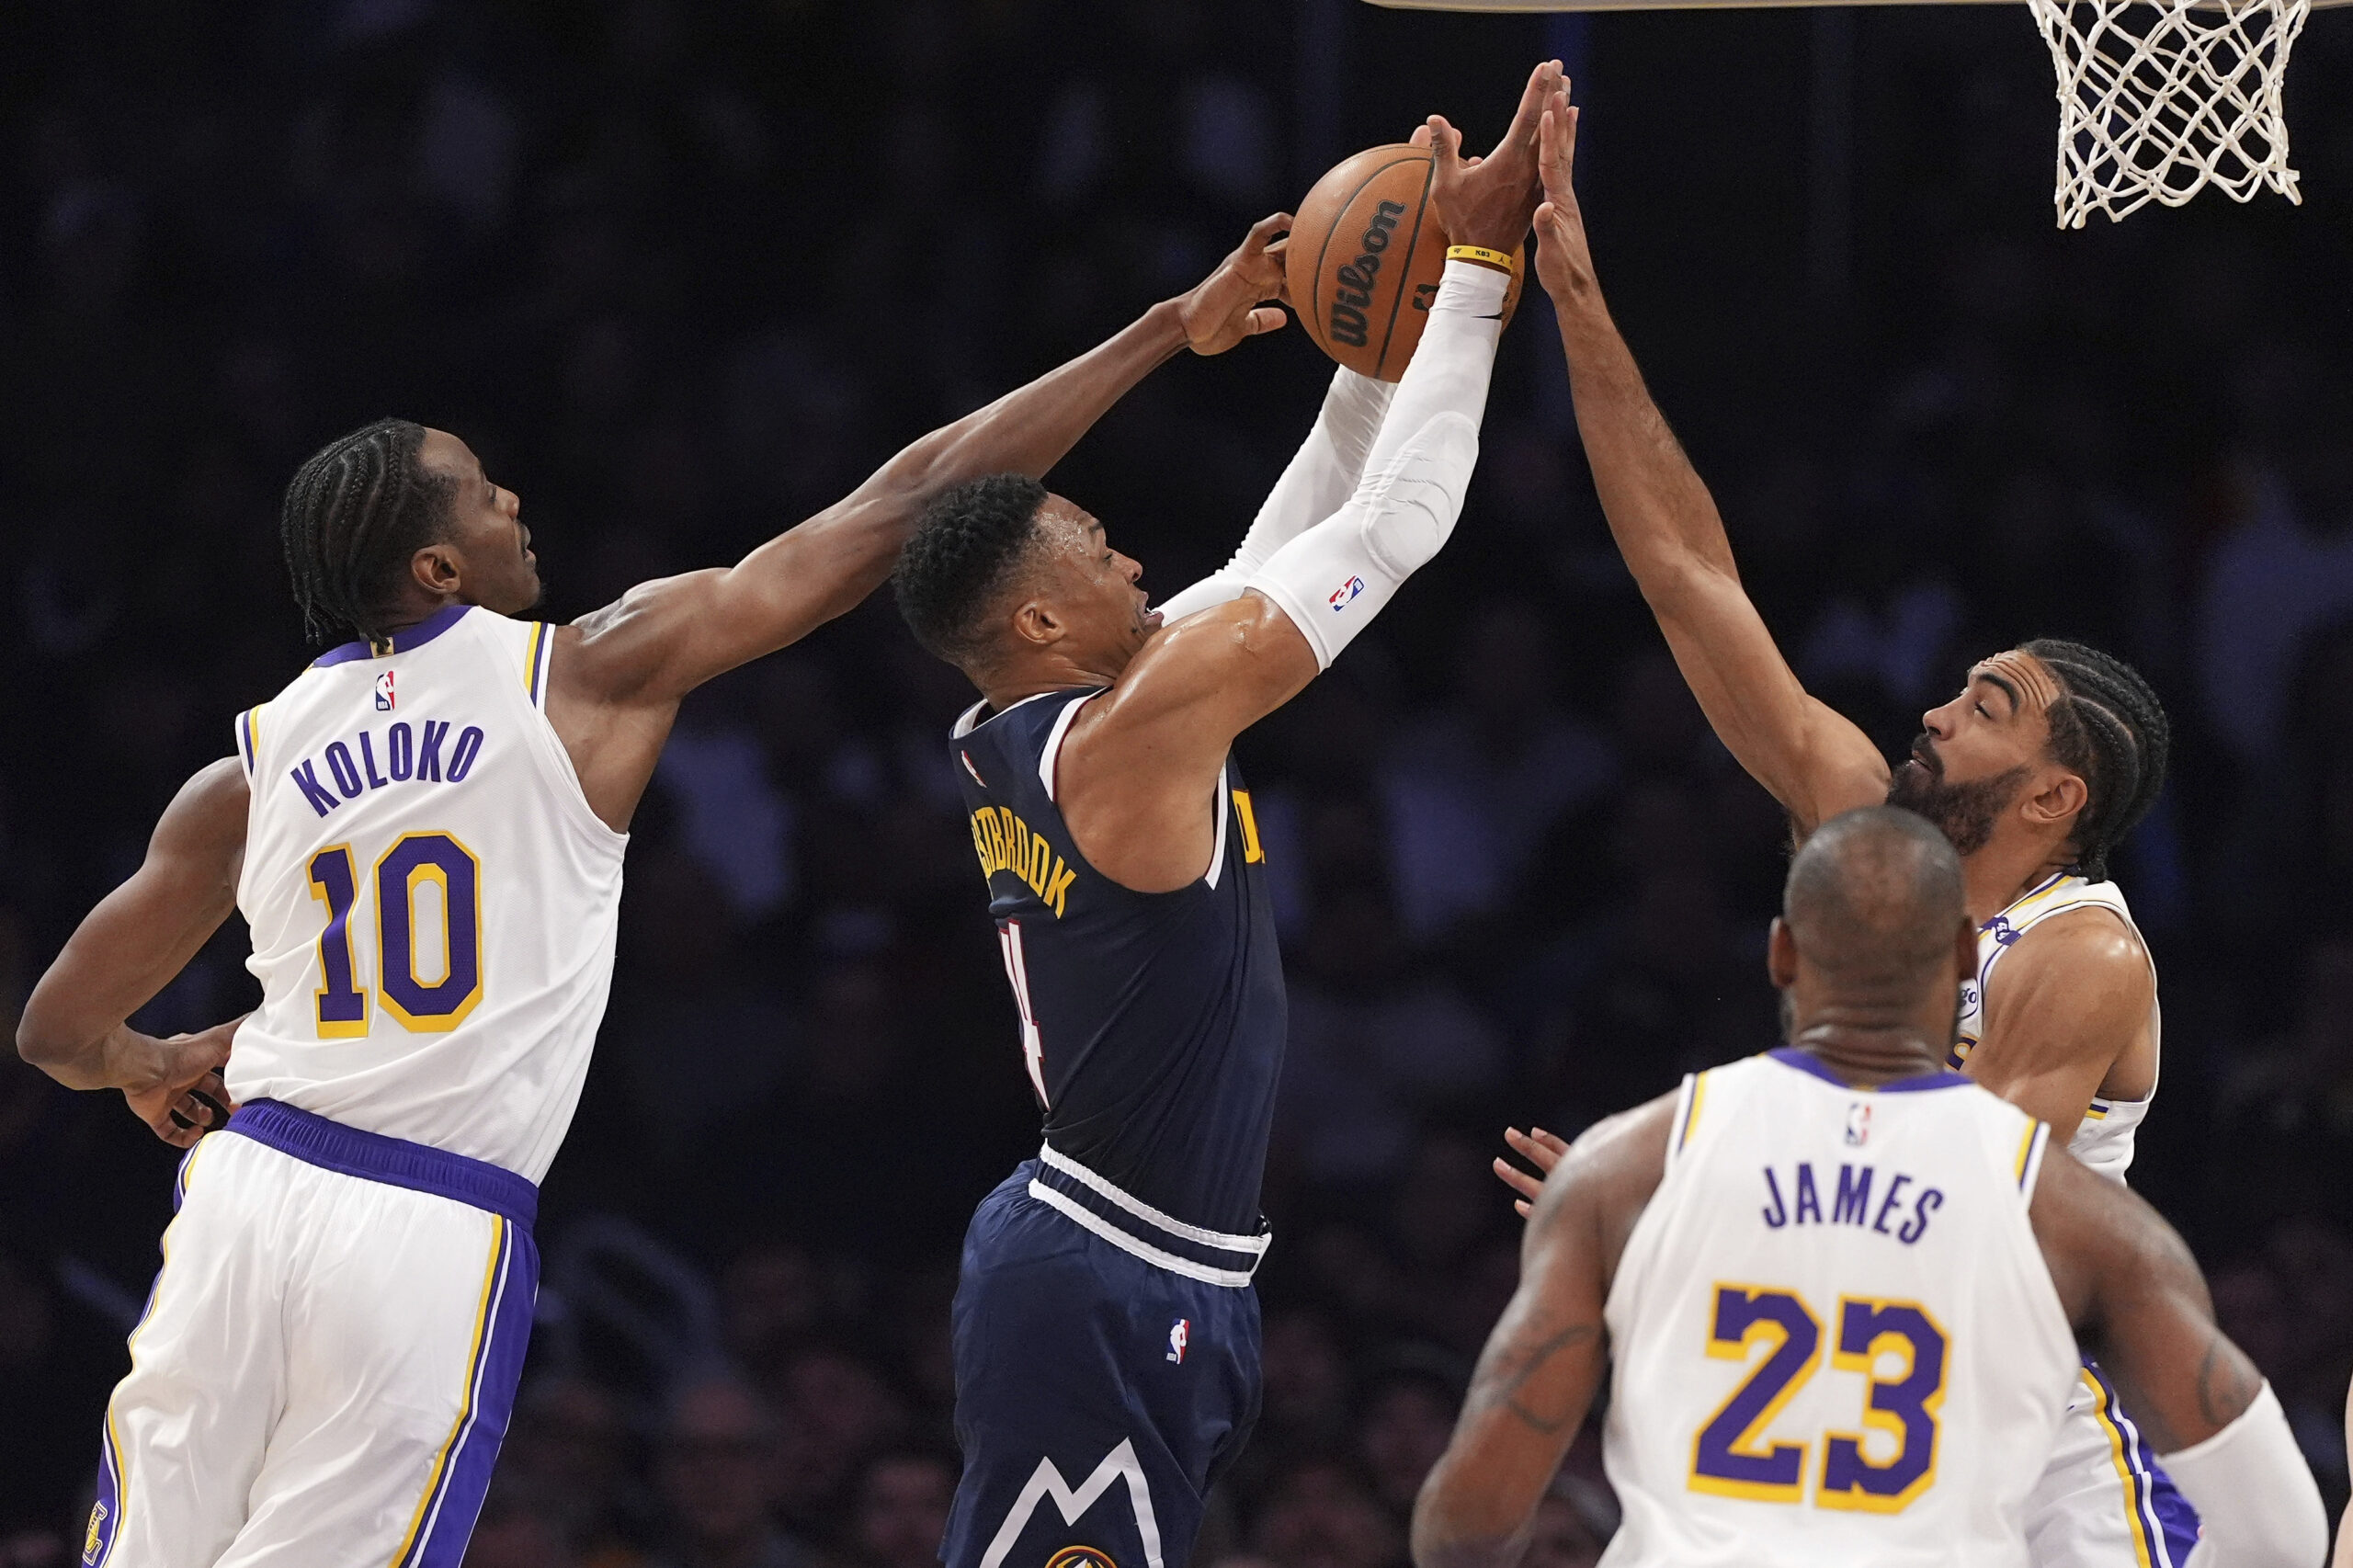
[
  {"x": 384, "y": 692},
  {"x": 1179, "y": 1332},
  {"x": 1347, "y": 591}
]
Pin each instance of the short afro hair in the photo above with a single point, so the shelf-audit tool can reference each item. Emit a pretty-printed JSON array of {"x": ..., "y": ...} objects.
[{"x": 965, "y": 551}]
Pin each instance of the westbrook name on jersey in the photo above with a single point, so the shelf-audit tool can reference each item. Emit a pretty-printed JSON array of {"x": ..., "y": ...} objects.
[
  {"x": 1833, "y": 1334},
  {"x": 1106, "y": 1336}
]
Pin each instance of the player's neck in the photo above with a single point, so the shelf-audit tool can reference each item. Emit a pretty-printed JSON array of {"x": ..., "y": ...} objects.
[
  {"x": 1863, "y": 1050},
  {"x": 1002, "y": 688},
  {"x": 2005, "y": 870}
]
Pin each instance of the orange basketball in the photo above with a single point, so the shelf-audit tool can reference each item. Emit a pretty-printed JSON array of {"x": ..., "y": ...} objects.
[{"x": 1365, "y": 258}]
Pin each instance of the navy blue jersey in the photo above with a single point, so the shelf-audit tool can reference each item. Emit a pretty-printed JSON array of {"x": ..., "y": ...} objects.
[{"x": 1152, "y": 1024}]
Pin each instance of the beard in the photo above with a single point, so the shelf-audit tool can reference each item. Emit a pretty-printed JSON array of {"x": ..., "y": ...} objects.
[{"x": 1965, "y": 814}]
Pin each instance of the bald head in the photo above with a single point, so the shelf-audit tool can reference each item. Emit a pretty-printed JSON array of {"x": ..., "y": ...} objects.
[{"x": 1874, "y": 900}]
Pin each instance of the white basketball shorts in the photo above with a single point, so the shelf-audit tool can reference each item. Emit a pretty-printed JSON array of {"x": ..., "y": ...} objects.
[
  {"x": 326, "y": 1363},
  {"x": 2103, "y": 1501}
]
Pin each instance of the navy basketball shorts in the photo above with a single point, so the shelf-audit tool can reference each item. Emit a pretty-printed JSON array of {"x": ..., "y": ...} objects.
[{"x": 1098, "y": 1394}]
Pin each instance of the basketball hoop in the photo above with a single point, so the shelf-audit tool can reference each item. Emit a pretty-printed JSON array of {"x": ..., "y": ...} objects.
[
  {"x": 2157, "y": 98},
  {"x": 2160, "y": 98}
]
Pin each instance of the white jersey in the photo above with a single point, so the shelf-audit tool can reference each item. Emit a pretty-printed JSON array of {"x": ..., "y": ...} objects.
[
  {"x": 1833, "y": 1335},
  {"x": 2103, "y": 1139},
  {"x": 432, "y": 901}
]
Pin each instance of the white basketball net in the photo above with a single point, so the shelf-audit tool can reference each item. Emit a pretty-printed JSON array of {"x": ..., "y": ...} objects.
[{"x": 2159, "y": 99}]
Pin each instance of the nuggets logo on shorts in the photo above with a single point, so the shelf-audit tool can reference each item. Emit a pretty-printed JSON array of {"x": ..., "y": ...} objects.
[{"x": 1080, "y": 1557}]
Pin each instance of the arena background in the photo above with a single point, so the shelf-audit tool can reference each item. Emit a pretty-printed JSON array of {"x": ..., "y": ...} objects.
[{"x": 684, "y": 274}]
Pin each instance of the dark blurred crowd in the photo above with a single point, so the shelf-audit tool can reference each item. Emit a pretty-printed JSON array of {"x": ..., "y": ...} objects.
[{"x": 683, "y": 274}]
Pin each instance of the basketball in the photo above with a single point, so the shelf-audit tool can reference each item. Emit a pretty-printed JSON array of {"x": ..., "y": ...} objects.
[{"x": 1365, "y": 258}]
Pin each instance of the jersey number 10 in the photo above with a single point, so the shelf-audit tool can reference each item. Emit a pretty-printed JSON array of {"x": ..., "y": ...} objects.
[
  {"x": 1731, "y": 1457},
  {"x": 424, "y": 1006}
]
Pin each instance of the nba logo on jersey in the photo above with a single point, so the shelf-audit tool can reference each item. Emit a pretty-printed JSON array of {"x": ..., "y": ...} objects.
[
  {"x": 1858, "y": 1124},
  {"x": 1347, "y": 591},
  {"x": 384, "y": 692},
  {"x": 1178, "y": 1333}
]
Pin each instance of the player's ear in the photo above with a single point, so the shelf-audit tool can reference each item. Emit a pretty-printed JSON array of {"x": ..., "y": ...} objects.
[
  {"x": 2058, "y": 801},
  {"x": 1782, "y": 955},
  {"x": 437, "y": 568},
  {"x": 1037, "y": 625}
]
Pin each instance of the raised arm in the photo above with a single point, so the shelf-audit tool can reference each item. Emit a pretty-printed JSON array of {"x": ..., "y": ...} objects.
[
  {"x": 129, "y": 948},
  {"x": 2134, "y": 1291},
  {"x": 1815, "y": 761},
  {"x": 1139, "y": 766},
  {"x": 619, "y": 672},
  {"x": 1321, "y": 477},
  {"x": 1537, "y": 1376}
]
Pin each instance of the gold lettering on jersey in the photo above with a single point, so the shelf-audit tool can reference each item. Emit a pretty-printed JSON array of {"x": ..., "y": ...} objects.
[
  {"x": 1005, "y": 843},
  {"x": 1252, "y": 850}
]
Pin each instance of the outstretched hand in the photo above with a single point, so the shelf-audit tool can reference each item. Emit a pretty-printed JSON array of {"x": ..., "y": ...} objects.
[
  {"x": 1564, "y": 260},
  {"x": 1488, "y": 201},
  {"x": 1541, "y": 1149},
  {"x": 181, "y": 1095},
  {"x": 1230, "y": 303}
]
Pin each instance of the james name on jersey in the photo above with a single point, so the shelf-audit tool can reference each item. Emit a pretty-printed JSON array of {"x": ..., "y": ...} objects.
[{"x": 1899, "y": 1215}]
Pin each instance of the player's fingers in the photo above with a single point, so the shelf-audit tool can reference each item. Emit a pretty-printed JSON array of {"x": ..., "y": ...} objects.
[
  {"x": 1525, "y": 1209},
  {"x": 1553, "y": 1141},
  {"x": 1263, "y": 231},
  {"x": 1519, "y": 1180},
  {"x": 1420, "y": 137},
  {"x": 1532, "y": 99},
  {"x": 1445, "y": 146},
  {"x": 1266, "y": 318}
]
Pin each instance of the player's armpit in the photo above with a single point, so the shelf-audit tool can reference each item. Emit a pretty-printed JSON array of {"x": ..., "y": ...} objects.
[
  {"x": 136, "y": 940},
  {"x": 1137, "y": 775},
  {"x": 2073, "y": 997}
]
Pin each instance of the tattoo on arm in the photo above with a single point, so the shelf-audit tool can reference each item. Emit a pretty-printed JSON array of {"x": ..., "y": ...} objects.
[
  {"x": 2222, "y": 1392},
  {"x": 1500, "y": 1382}
]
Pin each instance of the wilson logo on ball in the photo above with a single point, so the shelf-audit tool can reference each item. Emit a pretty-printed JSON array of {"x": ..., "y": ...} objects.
[{"x": 1355, "y": 280}]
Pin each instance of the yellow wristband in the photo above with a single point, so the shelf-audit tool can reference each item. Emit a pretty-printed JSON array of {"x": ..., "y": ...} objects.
[{"x": 1499, "y": 260}]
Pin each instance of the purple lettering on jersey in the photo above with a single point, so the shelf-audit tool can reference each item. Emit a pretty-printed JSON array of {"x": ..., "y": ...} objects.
[
  {"x": 1878, "y": 1223},
  {"x": 1853, "y": 1201},
  {"x": 428, "y": 756},
  {"x": 368, "y": 762},
  {"x": 306, "y": 779},
  {"x": 1778, "y": 1215},
  {"x": 1931, "y": 1199},
  {"x": 346, "y": 778},
  {"x": 461, "y": 760},
  {"x": 399, "y": 751},
  {"x": 1808, "y": 1200}
]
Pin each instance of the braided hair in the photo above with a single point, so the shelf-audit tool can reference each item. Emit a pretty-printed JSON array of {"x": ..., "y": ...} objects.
[
  {"x": 353, "y": 517},
  {"x": 2107, "y": 726},
  {"x": 963, "y": 553}
]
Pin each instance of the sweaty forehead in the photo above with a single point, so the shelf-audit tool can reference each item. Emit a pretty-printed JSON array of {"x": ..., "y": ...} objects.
[
  {"x": 444, "y": 453},
  {"x": 2023, "y": 674}
]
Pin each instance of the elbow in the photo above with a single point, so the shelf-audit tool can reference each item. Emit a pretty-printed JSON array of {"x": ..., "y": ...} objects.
[{"x": 40, "y": 1043}]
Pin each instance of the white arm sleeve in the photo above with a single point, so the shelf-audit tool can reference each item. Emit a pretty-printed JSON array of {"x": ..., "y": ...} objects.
[
  {"x": 1321, "y": 477},
  {"x": 1333, "y": 579},
  {"x": 2257, "y": 1507}
]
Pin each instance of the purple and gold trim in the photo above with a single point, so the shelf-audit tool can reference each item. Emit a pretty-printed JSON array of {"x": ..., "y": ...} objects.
[
  {"x": 249, "y": 739},
  {"x": 445, "y": 1515},
  {"x": 535, "y": 668},
  {"x": 2163, "y": 1525},
  {"x": 407, "y": 640},
  {"x": 1806, "y": 1061},
  {"x": 1695, "y": 1089},
  {"x": 395, "y": 1162}
]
